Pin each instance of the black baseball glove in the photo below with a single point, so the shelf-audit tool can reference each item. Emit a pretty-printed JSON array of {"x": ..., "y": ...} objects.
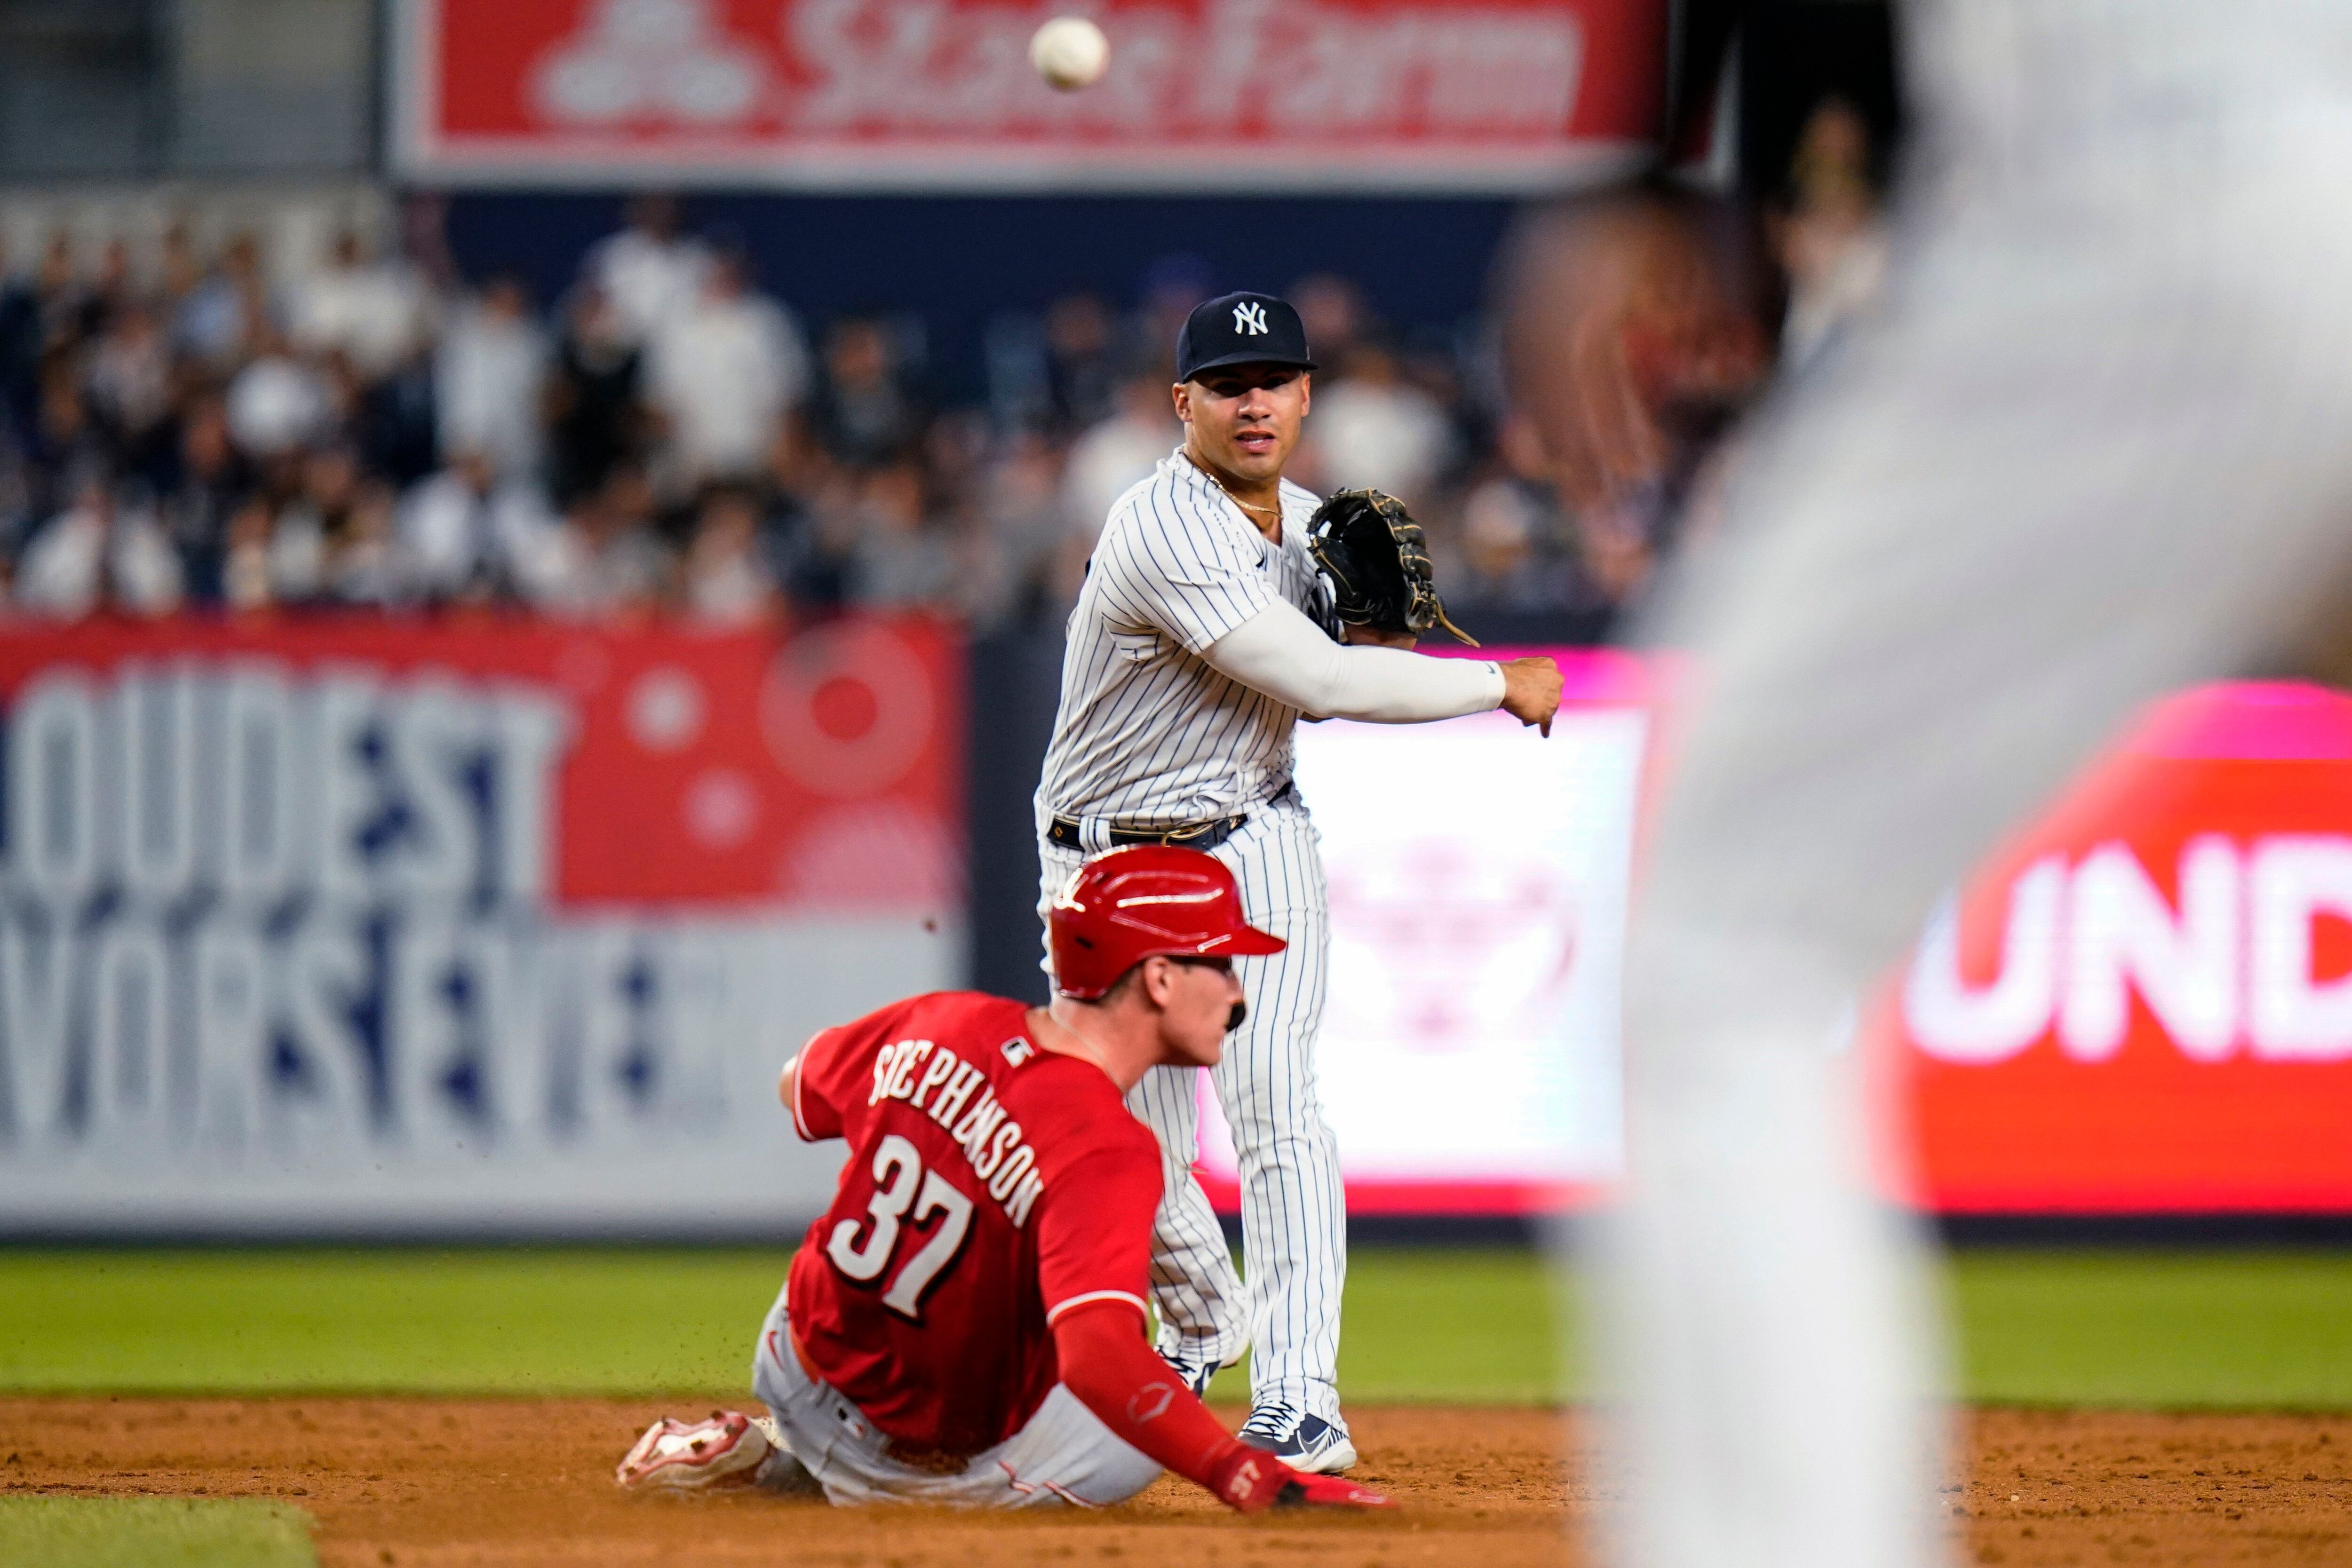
[{"x": 1377, "y": 561}]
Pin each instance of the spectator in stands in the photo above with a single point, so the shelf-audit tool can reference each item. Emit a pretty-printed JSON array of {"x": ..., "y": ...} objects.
[
  {"x": 129, "y": 384},
  {"x": 651, "y": 271},
  {"x": 812, "y": 539},
  {"x": 862, "y": 415},
  {"x": 1003, "y": 541},
  {"x": 392, "y": 421},
  {"x": 1169, "y": 289},
  {"x": 1507, "y": 559},
  {"x": 1332, "y": 310},
  {"x": 178, "y": 269},
  {"x": 375, "y": 311},
  {"x": 1118, "y": 452},
  {"x": 487, "y": 378},
  {"x": 202, "y": 491},
  {"x": 226, "y": 313},
  {"x": 462, "y": 530},
  {"x": 596, "y": 418},
  {"x": 65, "y": 441},
  {"x": 332, "y": 542},
  {"x": 726, "y": 579},
  {"x": 20, "y": 346},
  {"x": 110, "y": 291},
  {"x": 98, "y": 552},
  {"x": 278, "y": 404},
  {"x": 723, "y": 374},
  {"x": 1084, "y": 360},
  {"x": 1374, "y": 430},
  {"x": 245, "y": 565},
  {"x": 368, "y": 450},
  {"x": 900, "y": 561},
  {"x": 364, "y": 564},
  {"x": 1021, "y": 512},
  {"x": 604, "y": 558},
  {"x": 67, "y": 303}
]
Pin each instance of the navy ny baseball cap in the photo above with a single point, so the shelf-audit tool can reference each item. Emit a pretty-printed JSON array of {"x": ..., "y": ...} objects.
[{"x": 1241, "y": 329}]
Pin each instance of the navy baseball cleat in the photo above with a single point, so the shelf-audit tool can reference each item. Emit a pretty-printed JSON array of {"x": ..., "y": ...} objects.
[
  {"x": 1307, "y": 1443},
  {"x": 1197, "y": 1374}
]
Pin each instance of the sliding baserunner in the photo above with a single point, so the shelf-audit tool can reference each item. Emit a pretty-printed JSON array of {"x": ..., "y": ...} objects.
[{"x": 965, "y": 1325}]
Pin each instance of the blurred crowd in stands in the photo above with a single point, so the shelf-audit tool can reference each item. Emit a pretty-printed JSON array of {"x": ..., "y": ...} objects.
[{"x": 183, "y": 430}]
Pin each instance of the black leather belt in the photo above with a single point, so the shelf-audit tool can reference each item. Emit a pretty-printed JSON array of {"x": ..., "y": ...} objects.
[
  {"x": 1065, "y": 831},
  {"x": 1068, "y": 832}
]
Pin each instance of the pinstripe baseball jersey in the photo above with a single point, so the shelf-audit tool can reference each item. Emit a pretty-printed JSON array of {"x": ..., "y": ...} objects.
[{"x": 1148, "y": 733}]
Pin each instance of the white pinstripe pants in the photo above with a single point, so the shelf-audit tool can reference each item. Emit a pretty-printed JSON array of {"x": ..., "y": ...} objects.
[{"x": 1294, "y": 1217}]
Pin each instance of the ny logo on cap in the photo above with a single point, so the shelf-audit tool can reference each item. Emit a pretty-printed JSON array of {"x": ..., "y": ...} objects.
[{"x": 1249, "y": 317}]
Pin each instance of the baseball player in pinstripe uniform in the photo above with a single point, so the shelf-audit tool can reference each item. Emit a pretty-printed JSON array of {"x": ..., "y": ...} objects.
[{"x": 1203, "y": 634}]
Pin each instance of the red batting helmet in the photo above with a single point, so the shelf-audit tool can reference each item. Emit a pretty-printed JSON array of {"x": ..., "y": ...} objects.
[{"x": 1140, "y": 901}]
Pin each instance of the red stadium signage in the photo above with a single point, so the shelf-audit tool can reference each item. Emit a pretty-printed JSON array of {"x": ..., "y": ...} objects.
[
  {"x": 1504, "y": 95},
  {"x": 348, "y": 925},
  {"x": 2144, "y": 1004},
  {"x": 648, "y": 768}
]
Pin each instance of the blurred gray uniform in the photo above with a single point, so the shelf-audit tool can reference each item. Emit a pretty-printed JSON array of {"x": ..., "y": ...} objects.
[{"x": 2099, "y": 444}]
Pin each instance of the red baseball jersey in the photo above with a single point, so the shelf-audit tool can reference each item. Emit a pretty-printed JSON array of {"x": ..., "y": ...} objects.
[{"x": 991, "y": 1186}]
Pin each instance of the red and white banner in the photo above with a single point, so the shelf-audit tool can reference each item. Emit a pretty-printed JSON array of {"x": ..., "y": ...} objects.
[
  {"x": 368, "y": 926},
  {"x": 1468, "y": 1061},
  {"x": 1445, "y": 95},
  {"x": 2144, "y": 1003}
]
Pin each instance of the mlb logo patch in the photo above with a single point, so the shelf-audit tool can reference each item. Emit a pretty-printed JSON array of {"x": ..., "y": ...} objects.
[{"x": 1018, "y": 1051}]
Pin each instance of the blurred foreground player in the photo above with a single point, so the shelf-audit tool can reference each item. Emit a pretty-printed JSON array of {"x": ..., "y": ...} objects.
[
  {"x": 965, "y": 1325},
  {"x": 2093, "y": 448}
]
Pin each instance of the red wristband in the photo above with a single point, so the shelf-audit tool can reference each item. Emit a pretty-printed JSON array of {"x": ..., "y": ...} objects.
[{"x": 1247, "y": 1480}]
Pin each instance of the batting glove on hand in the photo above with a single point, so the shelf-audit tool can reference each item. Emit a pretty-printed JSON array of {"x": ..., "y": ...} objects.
[
  {"x": 1248, "y": 1481},
  {"x": 1326, "y": 1491}
]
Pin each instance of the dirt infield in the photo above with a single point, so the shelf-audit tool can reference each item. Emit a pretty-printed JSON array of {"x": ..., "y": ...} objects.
[{"x": 424, "y": 1483}]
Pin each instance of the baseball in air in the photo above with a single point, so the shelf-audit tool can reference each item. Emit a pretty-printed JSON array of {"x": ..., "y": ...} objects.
[{"x": 1070, "y": 52}]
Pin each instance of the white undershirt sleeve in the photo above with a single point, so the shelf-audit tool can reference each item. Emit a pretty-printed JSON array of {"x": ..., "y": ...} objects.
[{"x": 1281, "y": 652}]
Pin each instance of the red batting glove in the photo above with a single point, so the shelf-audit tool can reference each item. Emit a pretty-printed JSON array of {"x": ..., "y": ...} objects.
[
  {"x": 1326, "y": 1491},
  {"x": 1248, "y": 1481}
]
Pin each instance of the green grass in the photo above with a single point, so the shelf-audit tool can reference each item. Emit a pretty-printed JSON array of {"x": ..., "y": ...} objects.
[
  {"x": 2156, "y": 1328},
  {"x": 1455, "y": 1325},
  {"x": 151, "y": 1532},
  {"x": 477, "y": 1321},
  {"x": 2176, "y": 1329}
]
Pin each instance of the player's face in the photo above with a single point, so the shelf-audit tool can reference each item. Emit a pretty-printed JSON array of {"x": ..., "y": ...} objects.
[
  {"x": 1200, "y": 1003},
  {"x": 1245, "y": 419}
]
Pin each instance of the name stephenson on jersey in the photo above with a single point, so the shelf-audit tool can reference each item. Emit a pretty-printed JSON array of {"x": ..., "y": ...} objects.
[
  {"x": 990, "y": 1186},
  {"x": 1148, "y": 733}
]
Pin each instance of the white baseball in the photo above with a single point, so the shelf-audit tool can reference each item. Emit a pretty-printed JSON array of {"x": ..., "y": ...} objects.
[{"x": 1070, "y": 52}]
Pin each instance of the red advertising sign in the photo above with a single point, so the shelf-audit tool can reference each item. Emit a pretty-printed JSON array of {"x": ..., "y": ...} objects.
[
  {"x": 1200, "y": 94},
  {"x": 342, "y": 927},
  {"x": 575, "y": 765},
  {"x": 2144, "y": 1004}
]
